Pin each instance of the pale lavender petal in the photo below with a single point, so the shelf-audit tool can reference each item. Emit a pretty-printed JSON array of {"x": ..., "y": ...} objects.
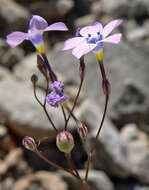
[
  {"x": 89, "y": 30},
  {"x": 111, "y": 26},
  {"x": 72, "y": 42},
  {"x": 83, "y": 49},
  {"x": 16, "y": 38},
  {"x": 37, "y": 23},
  {"x": 99, "y": 26},
  {"x": 57, "y": 26},
  {"x": 114, "y": 39},
  {"x": 36, "y": 39}
]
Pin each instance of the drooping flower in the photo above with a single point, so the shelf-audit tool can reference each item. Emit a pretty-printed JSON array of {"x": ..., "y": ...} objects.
[
  {"x": 91, "y": 38},
  {"x": 56, "y": 96},
  {"x": 37, "y": 26}
]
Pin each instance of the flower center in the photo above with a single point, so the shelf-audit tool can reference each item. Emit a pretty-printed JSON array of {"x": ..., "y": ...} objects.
[{"x": 94, "y": 38}]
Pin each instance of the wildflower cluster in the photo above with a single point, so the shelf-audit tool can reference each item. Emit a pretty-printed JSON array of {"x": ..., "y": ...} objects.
[{"x": 87, "y": 39}]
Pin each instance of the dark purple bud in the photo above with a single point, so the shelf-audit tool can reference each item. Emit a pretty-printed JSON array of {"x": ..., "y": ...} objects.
[{"x": 34, "y": 78}]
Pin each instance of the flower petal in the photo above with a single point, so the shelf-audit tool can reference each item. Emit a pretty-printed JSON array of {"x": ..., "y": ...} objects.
[
  {"x": 57, "y": 26},
  {"x": 15, "y": 38},
  {"x": 114, "y": 39},
  {"x": 111, "y": 26},
  {"x": 72, "y": 43},
  {"x": 37, "y": 23},
  {"x": 99, "y": 26},
  {"x": 83, "y": 49},
  {"x": 36, "y": 39},
  {"x": 96, "y": 27}
]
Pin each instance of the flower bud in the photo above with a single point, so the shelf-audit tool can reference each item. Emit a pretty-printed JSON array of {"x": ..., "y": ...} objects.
[
  {"x": 29, "y": 143},
  {"x": 41, "y": 66},
  {"x": 82, "y": 66},
  {"x": 82, "y": 130},
  {"x": 34, "y": 78},
  {"x": 65, "y": 142}
]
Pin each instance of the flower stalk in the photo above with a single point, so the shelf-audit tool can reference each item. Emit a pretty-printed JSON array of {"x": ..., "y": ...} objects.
[{"x": 87, "y": 39}]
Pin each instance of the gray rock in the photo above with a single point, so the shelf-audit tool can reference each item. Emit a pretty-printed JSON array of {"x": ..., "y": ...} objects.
[
  {"x": 26, "y": 68},
  {"x": 130, "y": 185},
  {"x": 3, "y": 131},
  {"x": 138, "y": 9},
  {"x": 130, "y": 132},
  {"x": 4, "y": 72},
  {"x": 96, "y": 8},
  {"x": 85, "y": 20},
  {"x": 41, "y": 179},
  {"x": 23, "y": 114},
  {"x": 110, "y": 152},
  {"x": 127, "y": 69},
  {"x": 115, "y": 6},
  {"x": 12, "y": 16},
  {"x": 137, "y": 151},
  {"x": 52, "y": 9},
  {"x": 97, "y": 180},
  {"x": 141, "y": 187},
  {"x": 137, "y": 34},
  {"x": 8, "y": 56}
]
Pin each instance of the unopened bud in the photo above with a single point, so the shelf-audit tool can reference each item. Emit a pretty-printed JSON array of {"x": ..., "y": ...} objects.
[
  {"x": 82, "y": 66},
  {"x": 65, "y": 142},
  {"x": 41, "y": 66},
  {"x": 29, "y": 143},
  {"x": 34, "y": 78},
  {"x": 82, "y": 130}
]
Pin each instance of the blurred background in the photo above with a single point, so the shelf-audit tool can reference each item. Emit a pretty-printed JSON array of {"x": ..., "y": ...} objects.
[{"x": 121, "y": 159}]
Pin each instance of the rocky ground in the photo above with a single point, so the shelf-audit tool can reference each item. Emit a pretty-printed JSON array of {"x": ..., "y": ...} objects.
[{"x": 121, "y": 159}]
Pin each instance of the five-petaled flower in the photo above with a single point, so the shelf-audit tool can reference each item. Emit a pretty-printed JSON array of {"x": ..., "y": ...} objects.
[
  {"x": 91, "y": 38},
  {"x": 37, "y": 26},
  {"x": 56, "y": 96}
]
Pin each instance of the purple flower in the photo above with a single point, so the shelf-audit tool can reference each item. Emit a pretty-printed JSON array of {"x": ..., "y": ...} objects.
[
  {"x": 37, "y": 26},
  {"x": 58, "y": 86},
  {"x": 92, "y": 37},
  {"x": 56, "y": 96}
]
